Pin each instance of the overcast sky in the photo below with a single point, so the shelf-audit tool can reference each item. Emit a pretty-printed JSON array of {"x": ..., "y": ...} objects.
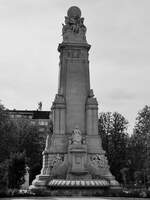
[{"x": 118, "y": 30}]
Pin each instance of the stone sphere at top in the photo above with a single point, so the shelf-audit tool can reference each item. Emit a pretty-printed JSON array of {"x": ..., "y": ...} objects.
[{"x": 74, "y": 12}]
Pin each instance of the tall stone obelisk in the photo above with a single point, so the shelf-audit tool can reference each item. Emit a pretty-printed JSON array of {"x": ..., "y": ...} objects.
[{"x": 74, "y": 156}]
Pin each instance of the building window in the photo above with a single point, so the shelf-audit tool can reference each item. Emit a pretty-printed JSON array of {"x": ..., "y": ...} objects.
[{"x": 43, "y": 123}]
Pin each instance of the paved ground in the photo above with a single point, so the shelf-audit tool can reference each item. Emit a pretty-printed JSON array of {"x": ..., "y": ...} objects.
[{"x": 74, "y": 198}]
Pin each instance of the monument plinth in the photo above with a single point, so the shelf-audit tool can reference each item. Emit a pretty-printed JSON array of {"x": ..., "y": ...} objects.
[{"x": 73, "y": 156}]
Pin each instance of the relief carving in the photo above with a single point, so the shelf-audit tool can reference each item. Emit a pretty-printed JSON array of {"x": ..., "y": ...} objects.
[
  {"x": 99, "y": 160},
  {"x": 76, "y": 136},
  {"x": 74, "y": 24},
  {"x": 74, "y": 28},
  {"x": 55, "y": 160}
]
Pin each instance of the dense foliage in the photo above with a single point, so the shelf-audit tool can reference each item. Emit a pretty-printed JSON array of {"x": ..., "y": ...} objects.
[
  {"x": 20, "y": 145},
  {"x": 128, "y": 155},
  {"x": 16, "y": 170},
  {"x": 113, "y": 131},
  {"x": 140, "y": 146}
]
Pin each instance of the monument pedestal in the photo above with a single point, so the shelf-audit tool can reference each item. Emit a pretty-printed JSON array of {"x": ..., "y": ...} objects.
[{"x": 77, "y": 159}]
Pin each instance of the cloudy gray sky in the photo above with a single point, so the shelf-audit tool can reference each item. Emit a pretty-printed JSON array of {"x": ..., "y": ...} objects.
[{"x": 118, "y": 30}]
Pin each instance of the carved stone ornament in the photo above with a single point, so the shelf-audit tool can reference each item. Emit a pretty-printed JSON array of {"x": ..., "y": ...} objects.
[
  {"x": 57, "y": 160},
  {"x": 74, "y": 28},
  {"x": 76, "y": 136},
  {"x": 99, "y": 160}
]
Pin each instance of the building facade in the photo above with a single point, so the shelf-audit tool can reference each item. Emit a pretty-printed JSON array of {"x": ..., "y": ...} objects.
[{"x": 39, "y": 118}]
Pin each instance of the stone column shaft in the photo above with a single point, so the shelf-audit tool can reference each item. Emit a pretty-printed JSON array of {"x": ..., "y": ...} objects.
[
  {"x": 59, "y": 118},
  {"x": 92, "y": 117}
]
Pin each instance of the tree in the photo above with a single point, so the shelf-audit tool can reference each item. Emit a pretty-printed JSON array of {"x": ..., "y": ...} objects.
[
  {"x": 140, "y": 142},
  {"x": 105, "y": 128},
  {"x": 8, "y": 141},
  {"x": 21, "y": 136},
  {"x": 3, "y": 178},
  {"x": 16, "y": 170},
  {"x": 113, "y": 131},
  {"x": 30, "y": 141}
]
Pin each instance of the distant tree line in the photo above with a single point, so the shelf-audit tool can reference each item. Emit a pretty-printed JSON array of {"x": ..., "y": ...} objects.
[
  {"x": 128, "y": 155},
  {"x": 20, "y": 145}
]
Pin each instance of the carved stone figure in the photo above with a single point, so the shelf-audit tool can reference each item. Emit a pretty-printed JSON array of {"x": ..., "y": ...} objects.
[
  {"x": 99, "y": 160},
  {"x": 74, "y": 24},
  {"x": 40, "y": 106},
  {"x": 73, "y": 21},
  {"x": 76, "y": 136},
  {"x": 57, "y": 160}
]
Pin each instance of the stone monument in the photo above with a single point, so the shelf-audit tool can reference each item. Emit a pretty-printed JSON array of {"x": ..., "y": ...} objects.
[{"x": 73, "y": 156}]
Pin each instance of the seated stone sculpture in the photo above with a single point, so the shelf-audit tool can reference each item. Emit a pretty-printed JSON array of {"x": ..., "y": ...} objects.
[{"x": 76, "y": 136}]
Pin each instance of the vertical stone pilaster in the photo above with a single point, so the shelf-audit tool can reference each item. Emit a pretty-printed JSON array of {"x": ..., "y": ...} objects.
[
  {"x": 58, "y": 140},
  {"x": 59, "y": 118},
  {"x": 44, "y": 170},
  {"x": 63, "y": 120},
  {"x": 93, "y": 139},
  {"x": 92, "y": 116}
]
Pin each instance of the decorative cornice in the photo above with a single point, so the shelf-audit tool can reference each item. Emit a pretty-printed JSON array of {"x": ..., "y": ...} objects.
[{"x": 66, "y": 45}]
